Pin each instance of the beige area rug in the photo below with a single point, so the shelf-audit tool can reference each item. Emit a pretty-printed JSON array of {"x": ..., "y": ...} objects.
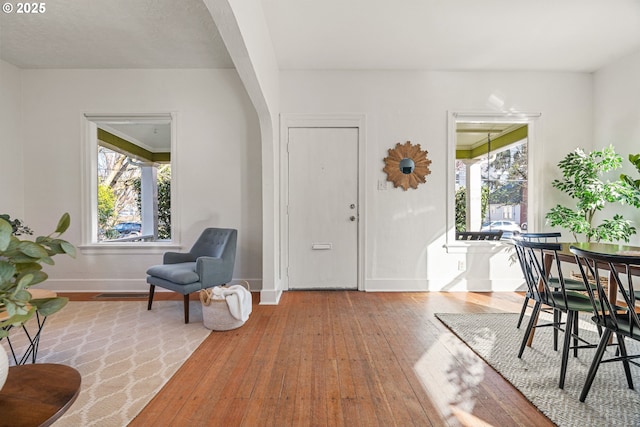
[
  {"x": 494, "y": 337},
  {"x": 124, "y": 353}
]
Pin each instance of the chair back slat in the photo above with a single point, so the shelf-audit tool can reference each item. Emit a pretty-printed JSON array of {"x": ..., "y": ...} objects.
[
  {"x": 479, "y": 235},
  {"x": 538, "y": 277},
  {"x": 541, "y": 237}
]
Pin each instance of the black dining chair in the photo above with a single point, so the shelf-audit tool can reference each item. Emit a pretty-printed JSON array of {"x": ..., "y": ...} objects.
[
  {"x": 621, "y": 319},
  {"x": 536, "y": 237},
  {"x": 553, "y": 295},
  {"x": 571, "y": 284}
]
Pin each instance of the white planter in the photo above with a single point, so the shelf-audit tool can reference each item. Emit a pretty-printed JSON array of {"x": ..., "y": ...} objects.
[{"x": 4, "y": 366}]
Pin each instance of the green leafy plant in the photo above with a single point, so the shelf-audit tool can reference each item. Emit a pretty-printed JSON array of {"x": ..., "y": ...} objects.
[
  {"x": 164, "y": 200},
  {"x": 106, "y": 206},
  {"x": 583, "y": 181},
  {"x": 461, "y": 206},
  {"x": 18, "y": 227},
  {"x": 635, "y": 161},
  {"x": 21, "y": 267}
]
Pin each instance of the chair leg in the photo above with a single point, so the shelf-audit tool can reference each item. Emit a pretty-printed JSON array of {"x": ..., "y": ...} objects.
[
  {"x": 152, "y": 288},
  {"x": 186, "y": 308},
  {"x": 557, "y": 321},
  {"x": 625, "y": 361},
  {"x": 602, "y": 346},
  {"x": 530, "y": 325},
  {"x": 525, "y": 305},
  {"x": 576, "y": 342},
  {"x": 565, "y": 347}
]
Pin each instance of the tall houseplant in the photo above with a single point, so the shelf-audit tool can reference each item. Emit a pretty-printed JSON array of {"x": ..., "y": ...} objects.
[
  {"x": 635, "y": 183},
  {"x": 582, "y": 179},
  {"x": 21, "y": 267}
]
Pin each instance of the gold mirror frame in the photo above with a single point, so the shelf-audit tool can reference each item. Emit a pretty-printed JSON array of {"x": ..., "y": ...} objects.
[{"x": 407, "y": 151}]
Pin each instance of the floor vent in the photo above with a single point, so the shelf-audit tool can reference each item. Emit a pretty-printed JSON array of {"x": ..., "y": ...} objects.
[{"x": 121, "y": 295}]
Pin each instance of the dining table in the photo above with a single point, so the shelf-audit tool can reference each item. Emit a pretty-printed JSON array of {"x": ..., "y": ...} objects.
[{"x": 565, "y": 255}]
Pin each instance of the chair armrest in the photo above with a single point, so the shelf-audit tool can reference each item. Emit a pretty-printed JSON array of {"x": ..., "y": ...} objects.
[
  {"x": 213, "y": 271},
  {"x": 177, "y": 257}
]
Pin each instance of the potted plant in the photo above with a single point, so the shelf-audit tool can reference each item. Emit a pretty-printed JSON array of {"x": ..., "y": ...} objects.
[
  {"x": 20, "y": 268},
  {"x": 583, "y": 181},
  {"x": 635, "y": 161}
]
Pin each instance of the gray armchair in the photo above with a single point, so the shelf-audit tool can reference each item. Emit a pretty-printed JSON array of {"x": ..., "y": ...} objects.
[{"x": 209, "y": 263}]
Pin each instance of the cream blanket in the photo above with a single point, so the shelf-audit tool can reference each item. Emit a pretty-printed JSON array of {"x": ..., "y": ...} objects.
[{"x": 238, "y": 299}]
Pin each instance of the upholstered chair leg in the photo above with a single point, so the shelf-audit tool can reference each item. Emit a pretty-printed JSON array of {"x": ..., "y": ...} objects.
[
  {"x": 152, "y": 288},
  {"x": 186, "y": 308}
]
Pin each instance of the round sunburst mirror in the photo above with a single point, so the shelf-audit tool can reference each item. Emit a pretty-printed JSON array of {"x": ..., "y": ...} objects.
[{"x": 407, "y": 165}]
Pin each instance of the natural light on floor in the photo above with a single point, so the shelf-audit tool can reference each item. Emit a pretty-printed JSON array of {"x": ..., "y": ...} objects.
[{"x": 458, "y": 378}]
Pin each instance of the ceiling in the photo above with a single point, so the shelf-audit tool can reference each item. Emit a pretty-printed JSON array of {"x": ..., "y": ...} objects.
[
  {"x": 472, "y": 135},
  {"x": 557, "y": 35},
  {"x": 549, "y": 35},
  {"x": 114, "y": 34},
  {"x": 153, "y": 137}
]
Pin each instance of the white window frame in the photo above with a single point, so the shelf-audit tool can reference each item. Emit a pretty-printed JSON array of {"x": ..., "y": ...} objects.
[
  {"x": 89, "y": 184},
  {"x": 534, "y": 152}
]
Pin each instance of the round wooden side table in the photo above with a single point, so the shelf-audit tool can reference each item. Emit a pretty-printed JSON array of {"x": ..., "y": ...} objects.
[{"x": 38, "y": 394}]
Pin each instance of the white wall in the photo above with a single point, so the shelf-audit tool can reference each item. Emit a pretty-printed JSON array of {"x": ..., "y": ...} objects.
[
  {"x": 244, "y": 30},
  {"x": 617, "y": 118},
  {"x": 11, "y": 200},
  {"x": 405, "y": 231},
  {"x": 217, "y": 169}
]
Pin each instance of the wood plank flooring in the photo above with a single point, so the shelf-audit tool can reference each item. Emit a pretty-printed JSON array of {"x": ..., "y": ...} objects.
[{"x": 344, "y": 358}]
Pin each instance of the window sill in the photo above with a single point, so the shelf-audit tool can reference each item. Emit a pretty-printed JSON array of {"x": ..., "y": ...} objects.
[
  {"x": 479, "y": 246},
  {"x": 150, "y": 248}
]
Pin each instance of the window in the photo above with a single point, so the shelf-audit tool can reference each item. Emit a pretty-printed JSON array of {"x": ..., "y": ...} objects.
[
  {"x": 129, "y": 186},
  {"x": 491, "y": 159}
]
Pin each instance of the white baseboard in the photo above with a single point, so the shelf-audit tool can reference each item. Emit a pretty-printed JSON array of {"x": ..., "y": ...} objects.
[
  {"x": 118, "y": 285},
  {"x": 270, "y": 296},
  {"x": 443, "y": 285},
  {"x": 392, "y": 285}
]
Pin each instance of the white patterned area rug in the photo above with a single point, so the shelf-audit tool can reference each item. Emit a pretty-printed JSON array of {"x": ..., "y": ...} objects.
[
  {"x": 124, "y": 353},
  {"x": 494, "y": 337}
]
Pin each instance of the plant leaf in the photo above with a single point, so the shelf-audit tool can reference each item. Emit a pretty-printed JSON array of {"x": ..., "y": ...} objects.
[
  {"x": 7, "y": 271},
  {"x": 32, "y": 249},
  {"x": 68, "y": 248},
  {"x": 64, "y": 223},
  {"x": 48, "y": 306},
  {"x": 18, "y": 319},
  {"x": 5, "y": 234}
]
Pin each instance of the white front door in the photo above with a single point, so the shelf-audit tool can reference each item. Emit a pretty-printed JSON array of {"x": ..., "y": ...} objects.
[{"x": 323, "y": 208}]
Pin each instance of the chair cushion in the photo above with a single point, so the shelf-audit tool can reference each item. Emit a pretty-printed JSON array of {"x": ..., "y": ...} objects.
[{"x": 182, "y": 273}]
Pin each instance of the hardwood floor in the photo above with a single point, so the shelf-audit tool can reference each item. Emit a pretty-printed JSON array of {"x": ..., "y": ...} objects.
[{"x": 342, "y": 358}]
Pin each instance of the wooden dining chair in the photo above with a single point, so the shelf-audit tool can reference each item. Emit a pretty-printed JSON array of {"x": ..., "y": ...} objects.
[
  {"x": 621, "y": 318},
  {"x": 553, "y": 295}
]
